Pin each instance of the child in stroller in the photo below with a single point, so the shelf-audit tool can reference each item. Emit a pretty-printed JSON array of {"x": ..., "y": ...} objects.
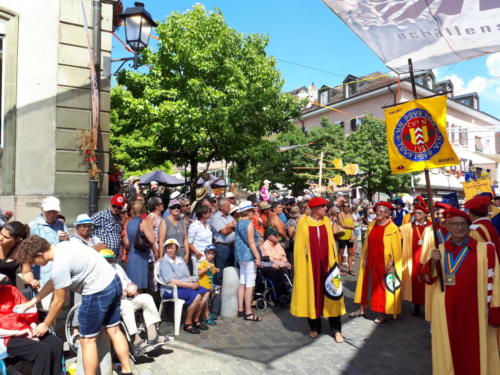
[{"x": 275, "y": 271}]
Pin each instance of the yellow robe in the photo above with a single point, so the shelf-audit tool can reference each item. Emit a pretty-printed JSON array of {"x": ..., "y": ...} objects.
[
  {"x": 303, "y": 304},
  {"x": 407, "y": 256},
  {"x": 442, "y": 363},
  {"x": 392, "y": 249}
]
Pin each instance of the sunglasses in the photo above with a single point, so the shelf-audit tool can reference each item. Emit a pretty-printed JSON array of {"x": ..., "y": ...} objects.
[
  {"x": 176, "y": 207},
  {"x": 116, "y": 206}
]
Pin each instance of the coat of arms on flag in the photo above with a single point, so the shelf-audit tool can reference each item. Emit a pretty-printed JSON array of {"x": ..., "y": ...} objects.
[{"x": 416, "y": 136}]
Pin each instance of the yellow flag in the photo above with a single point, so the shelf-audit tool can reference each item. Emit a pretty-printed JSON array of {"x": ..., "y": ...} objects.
[
  {"x": 351, "y": 169},
  {"x": 337, "y": 163},
  {"x": 337, "y": 180},
  {"x": 416, "y": 136},
  {"x": 473, "y": 188}
]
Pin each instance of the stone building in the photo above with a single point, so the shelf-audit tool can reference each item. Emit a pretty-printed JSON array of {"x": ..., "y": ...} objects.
[{"x": 45, "y": 100}]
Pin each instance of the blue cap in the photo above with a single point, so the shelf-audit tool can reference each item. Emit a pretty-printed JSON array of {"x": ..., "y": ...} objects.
[
  {"x": 210, "y": 247},
  {"x": 399, "y": 201}
]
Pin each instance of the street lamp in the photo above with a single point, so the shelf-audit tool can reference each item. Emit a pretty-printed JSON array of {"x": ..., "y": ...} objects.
[{"x": 138, "y": 25}]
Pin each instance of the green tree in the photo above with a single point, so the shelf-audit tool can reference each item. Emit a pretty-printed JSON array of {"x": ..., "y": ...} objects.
[
  {"x": 210, "y": 92},
  {"x": 265, "y": 162},
  {"x": 367, "y": 147}
]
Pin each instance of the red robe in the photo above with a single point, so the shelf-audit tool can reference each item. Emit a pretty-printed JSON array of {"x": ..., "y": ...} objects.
[
  {"x": 318, "y": 239},
  {"x": 376, "y": 264},
  {"x": 465, "y": 339}
]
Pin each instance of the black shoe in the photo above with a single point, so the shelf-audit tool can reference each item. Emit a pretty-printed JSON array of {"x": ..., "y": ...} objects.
[
  {"x": 191, "y": 329},
  {"x": 416, "y": 310},
  {"x": 201, "y": 325}
]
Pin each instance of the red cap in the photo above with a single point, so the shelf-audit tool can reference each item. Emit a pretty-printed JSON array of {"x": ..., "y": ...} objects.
[
  {"x": 421, "y": 208},
  {"x": 442, "y": 205},
  {"x": 118, "y": 200},
  {"x": 316, "y": 202},
  {"x": 385, "y": 204},
  {"x": 453, "y": 212},
  {"x": 420, "y": 200},
  {"x": 479, "y": 204}
]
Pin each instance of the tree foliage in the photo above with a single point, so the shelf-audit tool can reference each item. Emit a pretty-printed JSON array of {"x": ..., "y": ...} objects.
[
  {"x": 210, "y": 92},
  {"x": 367, "y": 147}
]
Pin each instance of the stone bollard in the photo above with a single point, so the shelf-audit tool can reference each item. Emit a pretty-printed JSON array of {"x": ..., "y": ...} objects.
[
  {"x": 229, "y": 299},
  {"x": 104, "y": 353}
]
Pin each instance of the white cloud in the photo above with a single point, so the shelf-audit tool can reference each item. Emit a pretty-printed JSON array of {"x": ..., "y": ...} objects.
[
  {"x": 493, "y": 64},
  {"x": 478, "y": 84},
  {"x": 458, "y": 83}
]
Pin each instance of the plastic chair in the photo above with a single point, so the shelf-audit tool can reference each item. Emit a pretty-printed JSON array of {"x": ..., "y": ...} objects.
[{"x": 178, "y": 303}]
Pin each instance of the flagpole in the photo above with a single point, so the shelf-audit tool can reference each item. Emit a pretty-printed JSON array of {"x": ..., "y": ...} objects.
[
  {"x": 320, "y": 171},
  {"x": 429, "y": 189}
]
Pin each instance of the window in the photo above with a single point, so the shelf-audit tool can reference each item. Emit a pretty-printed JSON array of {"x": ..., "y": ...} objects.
[
  {"x": 323, "y": 97},
  {"x": 478, "y": 144},
  {"x": 356, "y": 123},
  {"x": 462, "y": 136}
]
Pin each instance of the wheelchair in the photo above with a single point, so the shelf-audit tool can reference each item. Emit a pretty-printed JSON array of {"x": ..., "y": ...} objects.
[
  {"x": 265, "y": 291},
  {"x": 73, "y": 338}
]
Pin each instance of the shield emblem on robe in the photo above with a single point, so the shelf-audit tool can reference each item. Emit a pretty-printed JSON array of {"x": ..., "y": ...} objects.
[
  {"x": 392, "y": 282},
  {"x": 333, "y": 285}
]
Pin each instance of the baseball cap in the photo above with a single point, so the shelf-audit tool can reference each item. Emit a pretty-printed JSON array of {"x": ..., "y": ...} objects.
[
  {"x": 171, "y": 241},
  {"x": 118, "y": 200},
  {"x": 210, "y": 247},
  {"x": 51, "y": 204},
  {"x": 83, "y": 219}
]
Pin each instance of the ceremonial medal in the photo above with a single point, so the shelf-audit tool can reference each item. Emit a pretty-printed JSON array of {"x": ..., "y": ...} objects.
[
  {"x": 452, "y": 265},
  {"x": 449, "y": 279},
  {"x": 420, "y": 242}
]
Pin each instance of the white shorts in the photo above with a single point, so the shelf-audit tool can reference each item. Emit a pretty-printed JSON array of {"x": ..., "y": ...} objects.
[{"x": 248, "y": 274}]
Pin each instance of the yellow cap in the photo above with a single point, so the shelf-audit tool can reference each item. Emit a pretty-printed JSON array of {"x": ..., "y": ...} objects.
[{"x": 107, "y": 253}]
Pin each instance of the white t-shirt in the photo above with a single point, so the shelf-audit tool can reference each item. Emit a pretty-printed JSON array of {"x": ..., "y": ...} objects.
[
  {"x": 80, "y": 268},
  {"x": 92, "y": 241}
]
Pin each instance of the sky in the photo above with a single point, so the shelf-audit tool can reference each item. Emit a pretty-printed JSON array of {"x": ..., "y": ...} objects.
[{"x": 312, "y": 45}]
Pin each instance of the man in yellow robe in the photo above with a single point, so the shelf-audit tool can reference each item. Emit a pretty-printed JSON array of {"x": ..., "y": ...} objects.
[
  {"x": 465, "y": 315},
  {"x": 317, "y": 289}
]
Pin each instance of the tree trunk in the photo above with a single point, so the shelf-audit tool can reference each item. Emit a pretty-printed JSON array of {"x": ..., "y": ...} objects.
[{"x": 193, "y": 163}]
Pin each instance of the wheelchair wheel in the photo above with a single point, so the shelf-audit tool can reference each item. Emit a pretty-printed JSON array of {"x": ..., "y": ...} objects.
[
  {"x": 261, "y": 304},
  {"x": 70, "y": 326}
]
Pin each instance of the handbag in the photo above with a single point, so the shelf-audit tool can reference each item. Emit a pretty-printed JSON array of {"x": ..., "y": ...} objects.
[
  {"x": 338, "y": 230},
  {"x": 141, "y": 243}
]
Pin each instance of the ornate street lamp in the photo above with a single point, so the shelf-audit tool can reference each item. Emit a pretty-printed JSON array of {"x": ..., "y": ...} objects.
[{"x": 138, "y": 25}]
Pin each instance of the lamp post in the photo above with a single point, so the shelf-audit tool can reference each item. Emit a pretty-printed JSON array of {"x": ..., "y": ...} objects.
[{"x": 138, "y": 26}]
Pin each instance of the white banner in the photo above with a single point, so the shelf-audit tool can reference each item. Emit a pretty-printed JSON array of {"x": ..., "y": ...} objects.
[{"x": 430, "y": 32}]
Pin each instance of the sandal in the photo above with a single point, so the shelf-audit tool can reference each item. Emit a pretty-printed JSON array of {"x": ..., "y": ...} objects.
[
  {"x": 241, "y": 314},
  {"x": 379, "y": 319},
  {"x": 357, "y": 314},
  {"x": 337, "y": 336},
  {"x": 252, "y": 317},
  {"x": 352, "y": 273},
  {"x": 313, "y": 334},
  {"x": 201, "y": 325},
  {"x": 191, "y": 329}
]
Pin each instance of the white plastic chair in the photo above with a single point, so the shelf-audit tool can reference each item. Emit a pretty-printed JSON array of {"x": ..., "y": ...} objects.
[{"x": 178, "y": 303}]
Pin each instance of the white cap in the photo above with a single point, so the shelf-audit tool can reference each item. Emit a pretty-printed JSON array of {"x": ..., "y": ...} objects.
[
  {"x": 267, "y": 181},
  {"x": 245, "y": 206},
  {"x": 153, "y": 183},
  {"x": 51, "y": 204},
  {"x": 83, "y": 219},
  {"x": 233, "y": 209},
  {"x": 172, "y": 241}
]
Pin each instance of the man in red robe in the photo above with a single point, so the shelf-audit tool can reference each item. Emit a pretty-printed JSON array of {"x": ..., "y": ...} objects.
[
  {"x": 412, "y": 235},
  {"x": 482, "y": 229},
  {"x": 465, "y": 315}
]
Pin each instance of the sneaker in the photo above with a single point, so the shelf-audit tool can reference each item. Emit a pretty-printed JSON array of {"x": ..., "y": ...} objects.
[
  {"x": 211, "y": 322},
  {"x": 212, "y": 316}
]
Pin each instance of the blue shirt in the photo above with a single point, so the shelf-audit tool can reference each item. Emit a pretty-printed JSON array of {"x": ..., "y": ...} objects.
[
  {"x": 108, "y": 228},
  {"x": 242, "y": 251},
  {"x": 41, "y": 228},
  {"x": 217, "y": 223},
  {"x": 283, "y": 217},
  {"x": 171, "y": 269}
]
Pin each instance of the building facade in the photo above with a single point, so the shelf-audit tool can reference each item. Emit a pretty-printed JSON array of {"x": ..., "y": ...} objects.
[
  {"x": 471, "y": 131},
  {"x": 45, "y": 100}
]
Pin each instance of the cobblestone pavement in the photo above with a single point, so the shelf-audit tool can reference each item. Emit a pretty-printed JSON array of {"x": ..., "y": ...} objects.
[{"x": 279, "y": 345}]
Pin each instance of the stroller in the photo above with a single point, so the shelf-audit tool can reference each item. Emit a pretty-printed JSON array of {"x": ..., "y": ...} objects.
[{"x": 265, "y": 290}]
